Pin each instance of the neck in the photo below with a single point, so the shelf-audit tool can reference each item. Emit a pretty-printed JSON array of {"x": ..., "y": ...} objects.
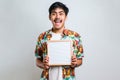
[{"x": 58, "y": 30}]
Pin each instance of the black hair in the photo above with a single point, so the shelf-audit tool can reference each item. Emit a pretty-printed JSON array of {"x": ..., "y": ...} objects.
[{"x": 58, "y": 5}]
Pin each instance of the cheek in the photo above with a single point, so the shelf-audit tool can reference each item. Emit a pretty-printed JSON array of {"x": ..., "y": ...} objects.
[
  {"x": 63, "y": 18},
  {"x": 52, "y": 19}
]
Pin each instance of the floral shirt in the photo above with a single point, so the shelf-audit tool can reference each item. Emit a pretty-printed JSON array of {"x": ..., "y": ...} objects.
[{"x": 68, "y": 73}]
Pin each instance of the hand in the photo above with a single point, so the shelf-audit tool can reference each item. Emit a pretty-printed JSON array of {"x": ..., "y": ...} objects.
[
  {"x": 46, "y": 62},
  {"x": 73, "y": 61}
]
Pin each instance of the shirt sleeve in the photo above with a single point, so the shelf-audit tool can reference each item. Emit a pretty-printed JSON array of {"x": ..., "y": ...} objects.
[
  {"x": 79, "y": 47},
  {"x": 38, "y": 50}
]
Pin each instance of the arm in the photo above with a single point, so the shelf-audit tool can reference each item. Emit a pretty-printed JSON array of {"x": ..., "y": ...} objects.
[
  {"x": 44, "y": 64},
  {"x": 77, "y": 57},
  {"x": 75, "y": 62},
  {"x": 79, "y": 62},
  {"x": 39, "y": 63}
]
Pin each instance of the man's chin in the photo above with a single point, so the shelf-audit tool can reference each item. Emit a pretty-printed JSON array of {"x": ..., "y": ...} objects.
[{"x": 57, "y": 27}]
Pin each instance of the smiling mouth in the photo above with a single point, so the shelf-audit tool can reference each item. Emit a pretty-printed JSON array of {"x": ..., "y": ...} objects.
[{"x": 57, "y": 20}]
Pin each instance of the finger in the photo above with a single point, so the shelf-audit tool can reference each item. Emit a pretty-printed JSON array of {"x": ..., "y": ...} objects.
[
  {"x": 73, "y": 57},
  {"x": 46, "y": 57},
  {"x": 74, "y": 60},
  {"x": 46, "y": 66},
  {"x": 46, "y": 60},
  {"x": 73, "y": 63},
  {"x": 46, "y": 63}
]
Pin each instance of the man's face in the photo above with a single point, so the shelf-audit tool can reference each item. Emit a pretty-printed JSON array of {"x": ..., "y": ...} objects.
[{"x": 58, "y": 18}]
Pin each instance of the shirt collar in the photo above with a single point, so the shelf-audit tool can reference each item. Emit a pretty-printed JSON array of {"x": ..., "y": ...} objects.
[{"x": 49, "y": 34}]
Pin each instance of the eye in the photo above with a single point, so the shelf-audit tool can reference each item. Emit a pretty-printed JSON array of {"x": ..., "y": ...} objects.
[
  {"x": 53, "y": 14},
  {"x": 61, "y": 14}
]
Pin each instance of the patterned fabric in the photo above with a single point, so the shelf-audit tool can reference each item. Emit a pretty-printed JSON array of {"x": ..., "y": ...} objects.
[{"x": 41, "y": 51}]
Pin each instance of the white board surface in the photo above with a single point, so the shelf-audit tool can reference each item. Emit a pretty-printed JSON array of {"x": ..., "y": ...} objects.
[{"x": 59, "y": 52}]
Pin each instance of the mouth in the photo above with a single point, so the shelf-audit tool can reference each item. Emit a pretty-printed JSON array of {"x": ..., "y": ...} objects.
[{"x": 57, "y": 21}]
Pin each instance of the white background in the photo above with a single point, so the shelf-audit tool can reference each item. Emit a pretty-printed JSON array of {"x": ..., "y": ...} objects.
[{"x": 98, "y": 22}]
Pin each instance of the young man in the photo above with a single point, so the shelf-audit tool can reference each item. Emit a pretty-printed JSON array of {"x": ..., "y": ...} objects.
[{"x": 57, "y": 15}]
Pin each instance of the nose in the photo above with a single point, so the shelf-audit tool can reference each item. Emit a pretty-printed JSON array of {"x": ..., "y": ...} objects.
[{"x": 57, "y": 16}]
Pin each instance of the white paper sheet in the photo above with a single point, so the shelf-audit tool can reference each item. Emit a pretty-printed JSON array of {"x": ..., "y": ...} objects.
[{"x": 59, "y": 52}]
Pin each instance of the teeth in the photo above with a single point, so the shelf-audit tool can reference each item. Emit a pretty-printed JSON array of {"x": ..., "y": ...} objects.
[{"x": 57, "y": 20}]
